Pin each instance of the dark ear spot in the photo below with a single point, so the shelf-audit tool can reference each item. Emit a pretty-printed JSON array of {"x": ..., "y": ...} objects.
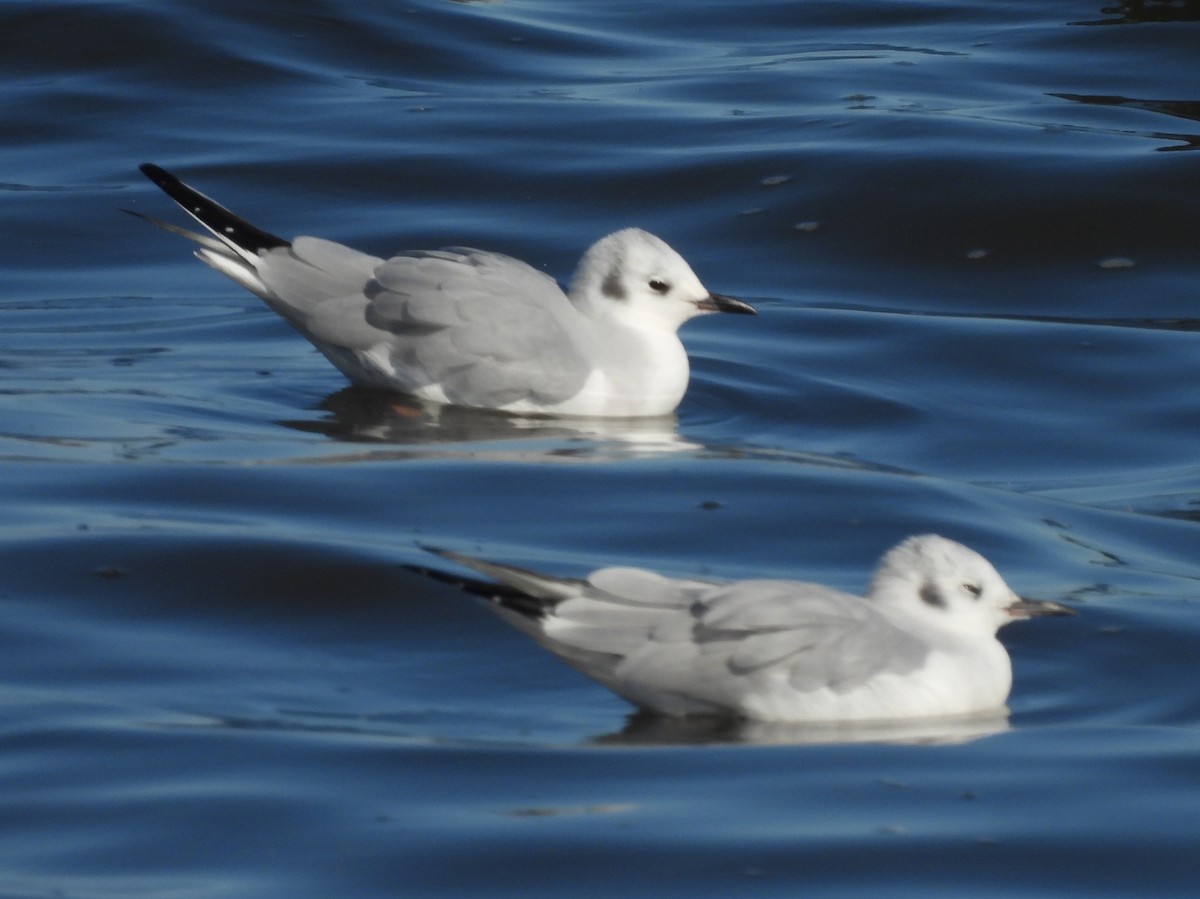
[
  {"x": 611, "y": 286},
  {"x": 931, "y": 596}
]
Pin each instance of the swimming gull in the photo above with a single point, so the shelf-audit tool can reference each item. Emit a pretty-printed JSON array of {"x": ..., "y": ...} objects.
[
  {"x": 470, "y": 327},
  {"x": 921, "y": 644}
]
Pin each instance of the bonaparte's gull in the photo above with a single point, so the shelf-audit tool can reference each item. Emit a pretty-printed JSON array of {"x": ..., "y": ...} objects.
[
  {"x": 922, "y": 643},
  {"x": 474, "y": 328}
]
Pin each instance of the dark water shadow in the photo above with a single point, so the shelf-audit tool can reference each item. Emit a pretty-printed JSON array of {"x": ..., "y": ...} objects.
[
  {"x": 1140, "y": 12},
  {"x": 1180, "y": 109},
  {"x": 643, "y": 729}
]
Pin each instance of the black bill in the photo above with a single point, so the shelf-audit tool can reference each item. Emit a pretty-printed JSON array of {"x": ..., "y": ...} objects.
[{"x": 718, "y": 303}]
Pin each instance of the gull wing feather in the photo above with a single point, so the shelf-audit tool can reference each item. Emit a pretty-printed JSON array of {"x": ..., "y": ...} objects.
[
  {"x": 489, "y": 329},
  {"x": 819, "y": 637},
  {"x": 303, "y": 277}
]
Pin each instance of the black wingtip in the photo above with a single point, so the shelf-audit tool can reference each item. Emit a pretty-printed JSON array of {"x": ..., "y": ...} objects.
[
  {"x": 226, "y": 225},
  {"x": 490, "y": 591},
  {"x": 155, "y": 173},
  {"x": 474, "y": 586},
  {"x": 443, "y": 577},
  {"x": 170, "y": 185},
  {"x": 430, "y": 548}
]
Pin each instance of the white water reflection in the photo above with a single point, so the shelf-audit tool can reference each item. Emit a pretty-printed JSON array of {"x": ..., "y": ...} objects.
[{"x": 358, "y": 415}]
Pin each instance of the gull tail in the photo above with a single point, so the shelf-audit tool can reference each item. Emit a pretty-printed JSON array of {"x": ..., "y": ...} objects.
[{"x": 238, "y": 245}]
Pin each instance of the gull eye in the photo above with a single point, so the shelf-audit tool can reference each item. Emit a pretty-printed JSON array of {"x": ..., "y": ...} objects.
[
  {"x": 974, "y": 589},
  {"x": 659, "y": 286}
]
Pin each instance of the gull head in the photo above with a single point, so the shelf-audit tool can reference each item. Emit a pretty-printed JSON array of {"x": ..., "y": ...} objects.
[
  {"x": 947, "y": 584},
  {"x": 636, "y": 278}
]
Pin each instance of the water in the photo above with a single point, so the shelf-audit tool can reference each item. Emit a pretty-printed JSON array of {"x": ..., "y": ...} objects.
[{"x": 970, "y": 230}]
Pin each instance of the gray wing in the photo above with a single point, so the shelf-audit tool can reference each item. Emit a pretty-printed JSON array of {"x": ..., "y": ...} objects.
[
  {"x": 617, "y": 611},
  {"x": 692, "y": 635},
  {"x": 819, "y": 636},
  {"x": 488, "y": 328},
  {"x": 318, "y": 285},
  {"x": 685, "y": 646},
  {"x": 618, "y": 618}
]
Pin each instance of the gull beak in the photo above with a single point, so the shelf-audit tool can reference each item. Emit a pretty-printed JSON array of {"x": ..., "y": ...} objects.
[
  {"x": 1036, "y": 608},
  {"x": 715, "y": 302}
]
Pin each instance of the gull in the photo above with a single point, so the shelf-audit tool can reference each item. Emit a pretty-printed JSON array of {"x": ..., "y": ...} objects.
[
  {"x": 921, "y": 644},
  {"x": 473, "y": 328}
]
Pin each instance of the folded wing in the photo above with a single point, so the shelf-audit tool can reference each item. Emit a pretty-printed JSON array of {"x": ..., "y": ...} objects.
[{"x": 489, "y": 329}]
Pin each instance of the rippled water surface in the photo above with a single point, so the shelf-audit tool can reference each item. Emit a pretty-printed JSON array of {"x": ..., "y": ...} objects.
[{"x": 972, "y": 233}]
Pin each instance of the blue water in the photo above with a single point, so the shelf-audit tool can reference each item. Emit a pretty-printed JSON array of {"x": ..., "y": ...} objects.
[{"x": 971, "y": 232}]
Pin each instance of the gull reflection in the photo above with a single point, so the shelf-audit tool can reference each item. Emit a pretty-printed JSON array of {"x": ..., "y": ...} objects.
[{"x": 361, "y": 415}]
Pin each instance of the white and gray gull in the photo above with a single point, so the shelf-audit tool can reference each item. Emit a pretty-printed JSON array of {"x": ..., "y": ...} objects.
[
  {"x": 921, "y": 644},
  {"x": 473, "y": 328}
]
